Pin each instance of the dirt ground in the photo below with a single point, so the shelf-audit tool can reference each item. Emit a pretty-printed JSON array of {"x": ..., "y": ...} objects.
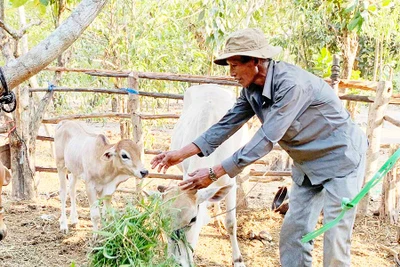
[{"x": 34, "y": 238}]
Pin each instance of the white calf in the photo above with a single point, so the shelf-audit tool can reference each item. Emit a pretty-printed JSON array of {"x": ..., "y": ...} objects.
[
  {"x": 103, "y": 166},
  {"x": 204, "y": 105}
]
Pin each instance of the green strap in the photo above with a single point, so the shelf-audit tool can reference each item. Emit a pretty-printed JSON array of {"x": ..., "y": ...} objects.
[{"x": 347, "y": 204}]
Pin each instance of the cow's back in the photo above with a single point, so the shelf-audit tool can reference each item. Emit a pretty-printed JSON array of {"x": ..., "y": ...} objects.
[
  {"x": 71, "y": 140},
  {"x": 205, "y": 105}
]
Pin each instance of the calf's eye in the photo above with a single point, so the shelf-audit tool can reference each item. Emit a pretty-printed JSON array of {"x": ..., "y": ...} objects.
[{"x": 124, "y": 156}]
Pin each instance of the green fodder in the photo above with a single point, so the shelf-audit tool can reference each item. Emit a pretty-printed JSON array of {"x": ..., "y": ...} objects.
[{"x": 133, "y": 236}]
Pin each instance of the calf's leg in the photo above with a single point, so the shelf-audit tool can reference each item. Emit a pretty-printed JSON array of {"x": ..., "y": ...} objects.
[
  {"x": 62, "y": 177},
  {"x": 94, "y": 209},
  {"x": 72, "y": 193},
  {"x": 231, "y": 227}
]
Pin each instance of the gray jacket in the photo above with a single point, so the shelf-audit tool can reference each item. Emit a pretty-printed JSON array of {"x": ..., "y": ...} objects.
[{"x": 302, "y": 113}]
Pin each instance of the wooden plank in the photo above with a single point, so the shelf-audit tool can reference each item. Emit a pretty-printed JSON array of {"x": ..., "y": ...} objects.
[
  {"x": 45, "y": 169},
  {"x": 392, "y": 120},
  {"x": 351, "y": 97},
  {"x": 45, "y": 138},
  {"x": 270, "y": 173},
  {"x": 107, "y": 91},
  {"x": 223, "y": 80},
  {"x": 179, "y": 177},
  {"x": 362, "y": 85},
  {"x": 158, "y": 116},
  {"x": 367, "y": 99},
  {"x": 56, "y": 120}
]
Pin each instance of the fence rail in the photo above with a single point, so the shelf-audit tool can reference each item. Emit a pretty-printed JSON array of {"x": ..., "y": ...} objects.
[
  {"x": 392, "y": 120},
  {"x": 180, "y": 177},
  {"x": 223, "y": 80},
  {"x": 351, "y": 97}
]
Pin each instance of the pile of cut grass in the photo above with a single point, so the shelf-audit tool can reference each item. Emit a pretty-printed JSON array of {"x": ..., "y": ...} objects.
[{"x": 133, "y": 236}]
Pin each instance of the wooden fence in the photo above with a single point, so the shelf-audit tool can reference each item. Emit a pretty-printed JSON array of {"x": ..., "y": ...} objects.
[{"x": 375, "y": 118}]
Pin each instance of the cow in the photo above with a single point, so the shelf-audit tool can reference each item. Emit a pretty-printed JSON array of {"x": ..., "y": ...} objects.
[
  {"x": 102, "y": 166},
  {"x": 5, "y": 178},
  {"x": 203, "y": 106},
  {"x": 183, "y": 207}
]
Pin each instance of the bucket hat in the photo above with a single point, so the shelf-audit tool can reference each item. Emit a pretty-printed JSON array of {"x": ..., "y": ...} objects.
[{"x": 247, "y": 42}]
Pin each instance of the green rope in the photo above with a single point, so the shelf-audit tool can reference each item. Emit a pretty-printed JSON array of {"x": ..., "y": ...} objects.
[{"x": 347, "y": 204}]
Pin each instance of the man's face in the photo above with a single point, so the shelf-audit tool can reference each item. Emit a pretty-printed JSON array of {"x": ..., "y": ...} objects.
[{"x": 244, "y": 73}]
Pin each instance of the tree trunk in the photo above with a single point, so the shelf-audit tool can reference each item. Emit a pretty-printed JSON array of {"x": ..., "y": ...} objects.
[
  {"x": 349, "y": 50},
  {"x": 376, "y": 60},
  {"x": 5, "y": 41},
  {"x": 27, "y": 119},
  {"x": 374, "y": 132},
  {"x": 24, "y": 43},
  {"x": 389, "y": 209},
  {"x": 23, "y": 186},
  {"x": 21, "y": 69}
]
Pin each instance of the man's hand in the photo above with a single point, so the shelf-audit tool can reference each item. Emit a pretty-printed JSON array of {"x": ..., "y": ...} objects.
[
  {"x": 166, "y": 160},
  {"x": 171, "y": 158},
  {"x": 199, "y": 179}
]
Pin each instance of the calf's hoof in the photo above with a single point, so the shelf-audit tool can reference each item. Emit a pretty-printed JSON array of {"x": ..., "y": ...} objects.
[{"x": 238, "y": 262}]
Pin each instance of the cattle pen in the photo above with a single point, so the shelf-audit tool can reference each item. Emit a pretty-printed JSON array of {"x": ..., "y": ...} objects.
[
  {"x": 376, "y": 115},
  {"x": 51, "y": 248}
]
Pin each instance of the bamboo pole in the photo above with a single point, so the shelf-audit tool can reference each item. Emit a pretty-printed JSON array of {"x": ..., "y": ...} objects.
[
  {"x": 223, "y": 80},
  {"x": 179, "y": 177},
  {"x": 158, "y": 151},
  {"x": 392, "y": 120},
  {"x": 107, "y": 91},
  {"x": 359, "y": 98},
  {"x": 374, "y": 132},
  {"x": 367, "y": 99},
  {"x": 56, "y": 120},
  {"x": 134, "y": 110}
]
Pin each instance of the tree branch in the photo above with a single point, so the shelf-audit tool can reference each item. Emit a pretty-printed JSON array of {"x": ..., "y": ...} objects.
[
  {"x": 16, "y": 35},
  {"x": 9, "y": 30}
]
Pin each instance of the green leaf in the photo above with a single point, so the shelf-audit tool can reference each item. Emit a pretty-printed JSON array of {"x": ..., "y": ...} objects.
[
  {"x": 44, "y": 2},
  {"x": 350, "y": 7},
  {"x": 108, "y": 256},
  {"x": 201, "y": 15},
  {"x": 18, "y": 3},
  {"x": 104, "y": 233},
  {"x": 354, "y": 22},
  {"x": 386, "y": 2},
  {"x": 372, "y": 8}
]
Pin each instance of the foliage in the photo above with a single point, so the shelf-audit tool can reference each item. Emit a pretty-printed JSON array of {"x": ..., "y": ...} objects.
[
  {"x": 322, "y": 62},
  {"x": 133, "y": 236},
  {"x": 184, "y": 36}
]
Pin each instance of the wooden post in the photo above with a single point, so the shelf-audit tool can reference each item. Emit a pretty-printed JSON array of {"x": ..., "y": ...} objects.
[
  {"x": 374, "y": 131},
  {"x": 243, "y": 187},
  {"x": 23, "y": 176},
  {"x": 389, "y": 208},
  {"x": 335, "y": 72},
  {"x": 134, "y": 109}
]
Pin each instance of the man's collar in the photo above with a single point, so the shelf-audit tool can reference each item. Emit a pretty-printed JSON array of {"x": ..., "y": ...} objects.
[{"x": 267, "y": 85}]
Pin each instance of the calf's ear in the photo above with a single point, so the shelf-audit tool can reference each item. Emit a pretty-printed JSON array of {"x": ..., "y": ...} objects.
[
  {"x": 108, "y": 154},
  {"x": 212, "y": 194}
]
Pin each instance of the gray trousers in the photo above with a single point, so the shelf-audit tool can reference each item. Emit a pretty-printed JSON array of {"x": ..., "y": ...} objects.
[{"x": 305, "y": 205}]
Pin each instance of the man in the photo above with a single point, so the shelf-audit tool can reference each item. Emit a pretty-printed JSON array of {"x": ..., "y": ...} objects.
[{"x": 302, "y": 113}]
